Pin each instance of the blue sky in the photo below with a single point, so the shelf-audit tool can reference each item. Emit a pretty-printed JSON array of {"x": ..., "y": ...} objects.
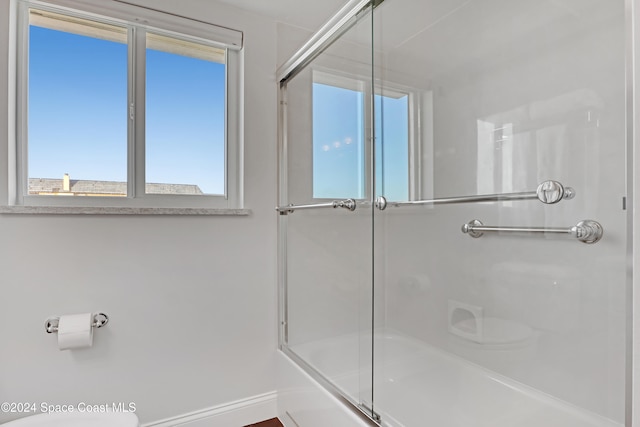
[
  {"x": 78, "y": 113},
  {"x": 185, "y": 121},
  {"x": 338, "y": 144}
]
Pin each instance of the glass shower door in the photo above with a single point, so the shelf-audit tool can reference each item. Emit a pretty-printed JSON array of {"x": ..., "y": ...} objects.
[
  {"x": 326, "y": 233},
  {"x": 505, "y": 310}
]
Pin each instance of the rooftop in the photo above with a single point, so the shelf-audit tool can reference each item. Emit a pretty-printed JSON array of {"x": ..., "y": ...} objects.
[{"x": 78, "y": 187}]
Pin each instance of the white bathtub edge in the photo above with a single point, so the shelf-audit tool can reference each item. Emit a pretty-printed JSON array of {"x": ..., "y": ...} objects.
[{"x": 303, "y": 402}]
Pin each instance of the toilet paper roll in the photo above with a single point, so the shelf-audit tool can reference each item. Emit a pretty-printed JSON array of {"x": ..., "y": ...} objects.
[{"x": 75, "y": 331}]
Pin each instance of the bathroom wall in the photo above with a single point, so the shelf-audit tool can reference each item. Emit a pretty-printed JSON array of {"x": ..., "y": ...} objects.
[{"x": 192, "y": 300}]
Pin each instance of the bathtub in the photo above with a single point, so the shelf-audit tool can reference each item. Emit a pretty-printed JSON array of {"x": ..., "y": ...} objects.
[{"x": 417, "y": 385}]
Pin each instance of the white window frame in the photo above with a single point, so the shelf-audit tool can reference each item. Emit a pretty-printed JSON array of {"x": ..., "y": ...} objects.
[
  {"x": 420, "y": 177},
  {"x": 138, "y": 21}
]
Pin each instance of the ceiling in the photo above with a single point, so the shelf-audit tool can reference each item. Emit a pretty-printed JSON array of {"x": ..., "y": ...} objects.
[
  {"x": 308, "y": 14},
  {"x": 439, "y": 35}
]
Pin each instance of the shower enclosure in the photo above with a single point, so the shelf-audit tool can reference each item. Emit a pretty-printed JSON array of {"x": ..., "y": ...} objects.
[{"x": 453, "y": 212}]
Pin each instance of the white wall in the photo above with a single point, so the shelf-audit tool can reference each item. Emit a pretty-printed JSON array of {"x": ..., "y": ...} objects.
[{"x": 192, "y": 300}]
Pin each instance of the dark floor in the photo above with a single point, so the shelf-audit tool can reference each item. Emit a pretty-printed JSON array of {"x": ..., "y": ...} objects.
[{"x": 273, "y": 422}]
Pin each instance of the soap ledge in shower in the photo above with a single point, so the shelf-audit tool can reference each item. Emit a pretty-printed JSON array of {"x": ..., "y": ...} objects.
[{"x": 465, "y": 320}]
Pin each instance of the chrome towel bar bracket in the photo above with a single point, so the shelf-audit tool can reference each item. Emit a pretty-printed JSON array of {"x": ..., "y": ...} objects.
[
  {"x": 51, "y": 324},
  {"x": 587, "y": 231},
  {"x": 550, "y": 192},
  {"x": 349, "y": 204}
]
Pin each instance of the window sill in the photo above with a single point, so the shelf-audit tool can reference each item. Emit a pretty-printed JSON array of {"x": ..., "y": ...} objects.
[{"x": 66, "y": 210}]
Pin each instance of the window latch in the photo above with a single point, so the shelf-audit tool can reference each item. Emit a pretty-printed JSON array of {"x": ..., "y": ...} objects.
[{"x": 131, "y": 111}]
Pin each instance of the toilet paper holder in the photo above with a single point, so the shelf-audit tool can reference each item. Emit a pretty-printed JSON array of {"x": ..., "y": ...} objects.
[{"x": 99, "y": 320}]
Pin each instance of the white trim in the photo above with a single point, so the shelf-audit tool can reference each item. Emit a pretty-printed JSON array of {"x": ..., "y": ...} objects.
[
  {"x": 632, "y": 402},
  {"x": 110, "y": 210},
  {"x": 138, "y": 121},
  {"x": 238, "y": 413},
  {"x": 234, "y": 125},
  {"x": 8, "y": 182},
  {"x": 151, "y": 18},
  {"x": 22, "y": 65}
]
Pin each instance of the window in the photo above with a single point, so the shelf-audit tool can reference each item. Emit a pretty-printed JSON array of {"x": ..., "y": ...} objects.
[
  {"x": 73, "y": 63},
  {"x": 339, "y": 141},
  {"x": 185, "y": 126},
  {"x": 115, "y": 113},
  {"x": 392, "y": 145}
]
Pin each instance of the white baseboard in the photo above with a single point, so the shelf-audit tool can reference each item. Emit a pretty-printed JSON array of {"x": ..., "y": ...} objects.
[{"x": 233, "y": 414}]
